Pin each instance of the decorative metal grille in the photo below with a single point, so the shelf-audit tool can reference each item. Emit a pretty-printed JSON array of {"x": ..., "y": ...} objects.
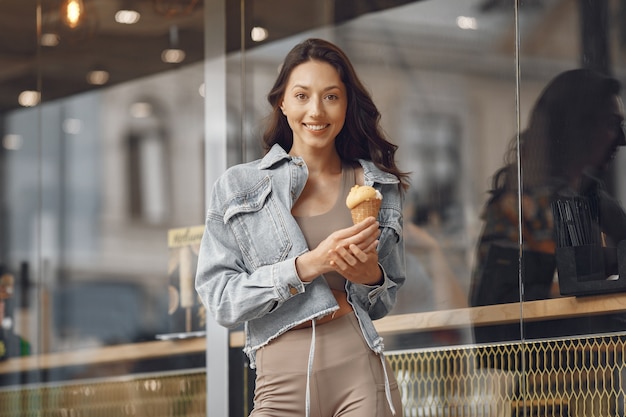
[
  {"x": 154, "y": 396},
  {"x": 573, "y": 377},
  {"x": 570, "y": 377}
]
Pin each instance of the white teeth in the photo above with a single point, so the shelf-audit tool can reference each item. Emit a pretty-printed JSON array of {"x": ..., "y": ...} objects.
[{"x": 316, "y": 127}]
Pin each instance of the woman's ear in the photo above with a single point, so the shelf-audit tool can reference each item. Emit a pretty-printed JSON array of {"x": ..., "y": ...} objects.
[{"x": 282, "y": 107}]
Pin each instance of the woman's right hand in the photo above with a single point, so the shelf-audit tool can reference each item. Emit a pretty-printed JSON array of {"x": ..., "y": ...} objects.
[{"x": 317, "y": 261}]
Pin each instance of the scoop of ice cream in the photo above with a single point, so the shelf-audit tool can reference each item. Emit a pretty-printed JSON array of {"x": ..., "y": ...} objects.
[{"x": 361, "y": 193}]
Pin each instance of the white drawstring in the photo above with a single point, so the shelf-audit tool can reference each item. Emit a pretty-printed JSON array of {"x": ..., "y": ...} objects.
[
  {"x": 387, "y": 385},
  {"x": 307, "y": 411}
]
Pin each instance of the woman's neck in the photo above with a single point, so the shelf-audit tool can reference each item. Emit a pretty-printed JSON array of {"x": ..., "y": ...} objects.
[{"x": 320, "y": 163}]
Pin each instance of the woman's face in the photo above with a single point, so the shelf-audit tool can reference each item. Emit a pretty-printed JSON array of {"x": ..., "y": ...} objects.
[
  {"x": 315, "y": 104},
  {"x": 610, "y": 135}
]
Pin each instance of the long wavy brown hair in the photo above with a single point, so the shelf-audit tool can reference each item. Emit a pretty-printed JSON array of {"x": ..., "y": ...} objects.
[{"x": 361, "y": 136}]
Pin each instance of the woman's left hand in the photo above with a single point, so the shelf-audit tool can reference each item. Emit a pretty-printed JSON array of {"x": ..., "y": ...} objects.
[{"x": 356, "y": 265}]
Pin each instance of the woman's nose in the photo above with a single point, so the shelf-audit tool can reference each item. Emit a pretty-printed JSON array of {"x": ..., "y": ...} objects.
[{"x": 317, "y": 108}]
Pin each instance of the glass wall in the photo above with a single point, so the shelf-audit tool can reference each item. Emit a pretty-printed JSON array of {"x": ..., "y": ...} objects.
[
  {"x": 558, "y": 183},
  {"x": 102, "y": 110},
  {"x": 114, "y": 131},
  {"x": 459, "y": 85},
  {"x": 443, "y": 75}
]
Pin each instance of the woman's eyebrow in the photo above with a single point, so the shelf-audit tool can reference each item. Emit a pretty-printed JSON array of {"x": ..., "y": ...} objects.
[{"x": 304, "y": 87}]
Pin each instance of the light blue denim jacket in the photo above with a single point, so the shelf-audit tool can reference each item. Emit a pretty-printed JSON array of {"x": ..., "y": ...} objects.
[{"x": 246, "y": 266}]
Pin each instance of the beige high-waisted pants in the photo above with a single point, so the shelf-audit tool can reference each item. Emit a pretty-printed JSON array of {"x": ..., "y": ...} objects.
[{"x": 347, "y": 378}]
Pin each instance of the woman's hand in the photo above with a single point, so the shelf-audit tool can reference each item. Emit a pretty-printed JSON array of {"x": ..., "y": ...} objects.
[
  {"x": 350, "y": 251},
  {"x": 358, "y": 262},
  {"x": 357, "y": 266}
]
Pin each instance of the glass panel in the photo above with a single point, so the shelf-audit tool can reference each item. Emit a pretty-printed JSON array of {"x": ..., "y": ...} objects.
[
  {"x": 572, "y": 162},
  {"x": 442, "y": 74},
  {"x": 94, "y": 176}
]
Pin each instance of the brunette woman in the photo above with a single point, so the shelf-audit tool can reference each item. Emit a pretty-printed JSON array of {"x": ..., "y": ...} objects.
[{"x": 280, "y": 252}]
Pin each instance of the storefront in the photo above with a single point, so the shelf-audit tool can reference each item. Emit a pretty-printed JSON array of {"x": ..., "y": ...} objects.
[{"x": 115, "y": 125}]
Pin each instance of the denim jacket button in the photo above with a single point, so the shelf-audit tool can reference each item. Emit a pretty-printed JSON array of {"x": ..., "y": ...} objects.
[{"x": 293, "y": 290}]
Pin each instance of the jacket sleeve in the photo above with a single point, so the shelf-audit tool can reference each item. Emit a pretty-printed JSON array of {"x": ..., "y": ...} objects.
[
  {"x": 232, "y": 292},
  {"x": 379, "y": 300}
]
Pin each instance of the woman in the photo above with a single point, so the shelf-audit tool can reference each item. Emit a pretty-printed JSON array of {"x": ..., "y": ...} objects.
[
  {"x": 280, "y": 252},
  {"x": 574, "y": 131}
]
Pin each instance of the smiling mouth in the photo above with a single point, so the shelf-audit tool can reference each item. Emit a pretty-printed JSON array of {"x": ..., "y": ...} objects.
[{"x": 316, "y": 128}]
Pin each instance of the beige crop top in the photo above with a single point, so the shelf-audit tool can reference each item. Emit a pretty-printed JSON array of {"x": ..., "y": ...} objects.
[{"x": 317, "y": 228}]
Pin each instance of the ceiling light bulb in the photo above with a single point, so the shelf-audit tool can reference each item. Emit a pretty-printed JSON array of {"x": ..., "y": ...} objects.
[
  {"x": 465, "y": 22},
  {"x": 72, "y": 12},
  {"x": 259, "y": 34},
  {"x": 29, "y": 98},
  {"x": 173, "y": 56},
  {"x": 49, "y": 39},
  {"x": 97, "y": 77},
  {"x": 127, "y": 16}
]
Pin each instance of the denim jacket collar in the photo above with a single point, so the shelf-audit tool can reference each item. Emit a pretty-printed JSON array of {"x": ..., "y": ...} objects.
[
  {"x": 371, "y": 173},
  {"x": 273, "y": 156}
]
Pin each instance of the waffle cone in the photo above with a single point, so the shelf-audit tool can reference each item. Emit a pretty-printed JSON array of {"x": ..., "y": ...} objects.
[{"x": 365, "y": 209}]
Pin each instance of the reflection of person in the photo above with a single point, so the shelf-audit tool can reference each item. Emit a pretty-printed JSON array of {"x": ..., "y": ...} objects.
[
  {"x": 574, "y": 131},
  {"x": 280, "y": 252}
]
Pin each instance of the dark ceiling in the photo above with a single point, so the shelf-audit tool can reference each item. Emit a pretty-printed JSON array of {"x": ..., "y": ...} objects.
[{"x": 128, "y": 52}]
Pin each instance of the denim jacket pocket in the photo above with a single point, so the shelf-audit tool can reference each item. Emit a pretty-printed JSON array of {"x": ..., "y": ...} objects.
[{"x": 257, "y": 221}]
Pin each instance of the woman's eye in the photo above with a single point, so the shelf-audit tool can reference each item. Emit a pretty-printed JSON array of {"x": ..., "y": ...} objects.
[
  {"x": 332, "y": 97},
  {"x": 300, "y": 96}
]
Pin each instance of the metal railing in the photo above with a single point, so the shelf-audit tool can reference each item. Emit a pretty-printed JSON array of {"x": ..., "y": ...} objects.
[
  {"x": 569, "y": 377},
  {"x": 162, "y": 395},
  {"x": 582, "y": 376}
]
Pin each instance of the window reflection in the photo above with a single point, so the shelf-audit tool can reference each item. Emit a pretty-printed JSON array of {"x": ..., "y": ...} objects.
[
  {"x": 148, "y": 167},
  {"x": 557, "y": 174}
]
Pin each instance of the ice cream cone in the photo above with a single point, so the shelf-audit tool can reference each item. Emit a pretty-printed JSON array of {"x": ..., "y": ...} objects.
[{"x": 365, "y": 209}]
